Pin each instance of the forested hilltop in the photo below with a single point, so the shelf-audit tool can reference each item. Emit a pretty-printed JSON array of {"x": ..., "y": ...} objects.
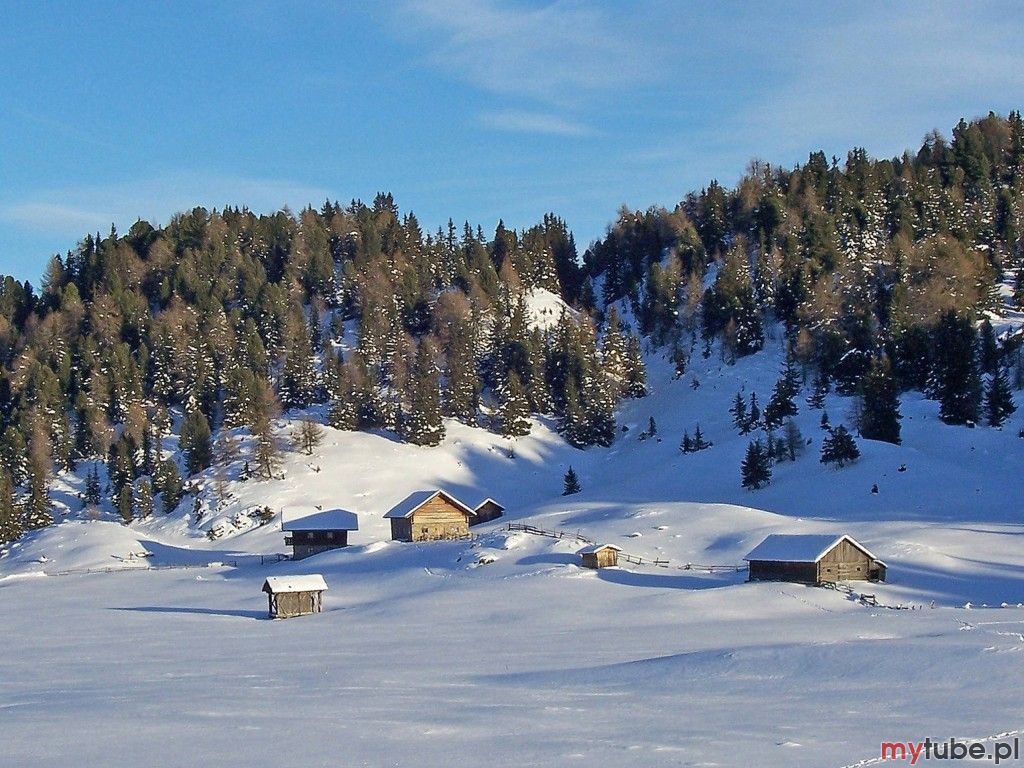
[{"x": 143, "y": 355}]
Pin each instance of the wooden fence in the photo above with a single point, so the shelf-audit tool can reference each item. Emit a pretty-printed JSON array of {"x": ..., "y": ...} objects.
[{"x": 627, "y": 557}]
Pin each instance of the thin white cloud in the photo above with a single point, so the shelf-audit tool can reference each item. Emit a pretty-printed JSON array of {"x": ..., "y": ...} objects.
[
  {"x": 556, "y": 53},
  {"x": 77, "y": 210},
  {"x": 535, "y": 122}
]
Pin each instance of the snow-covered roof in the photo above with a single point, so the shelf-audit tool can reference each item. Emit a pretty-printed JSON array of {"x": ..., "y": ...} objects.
[
  {"x": 492, "y": 501},
  {"x": 319, "y": 520},
  {"x": 312, "y": 582},
  {"x": 414, "y": 501},
  {"x": 801, "y": 547},
  {"x": 594, "y": 548}
]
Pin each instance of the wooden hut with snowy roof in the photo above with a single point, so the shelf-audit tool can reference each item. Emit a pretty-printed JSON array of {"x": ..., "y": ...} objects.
[
  {"x": 487, "y": 510},
  {"x": 813, "y": 559},
  {"x": 294, "y": 595},
  {"x": 430, "y": 516},
  {"x": 600, "y": 556},
  {"x": 312, "y": 532}
]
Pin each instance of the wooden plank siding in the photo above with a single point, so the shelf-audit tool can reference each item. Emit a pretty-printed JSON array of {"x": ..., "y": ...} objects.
[
  {"x": 436, "y": 520},
  {"x": 486, "y": 512},
  {"x": 844, "y": 562},
  {"x": 287, "y": 604}
]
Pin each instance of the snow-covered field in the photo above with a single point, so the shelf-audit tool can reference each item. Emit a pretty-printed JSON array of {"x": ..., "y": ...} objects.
[{"x": 502, "y": 651}]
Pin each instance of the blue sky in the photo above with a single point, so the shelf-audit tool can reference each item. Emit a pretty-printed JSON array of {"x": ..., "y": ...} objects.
[{"x": 474, "y": 109}]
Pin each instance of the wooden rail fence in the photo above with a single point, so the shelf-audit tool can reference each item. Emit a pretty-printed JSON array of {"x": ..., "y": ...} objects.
[{"x": 635, "y": 559}]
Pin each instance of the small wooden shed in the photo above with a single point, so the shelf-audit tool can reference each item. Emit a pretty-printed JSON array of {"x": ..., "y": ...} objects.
[
  {"x": 487, "y": 510},
  {"x": 312, "y": 532},
  {"x": 294, "y": 595},
  {"x": 600, "y": 556},
  {"x": 430, "y": 516},
  {"x": 813, "y": 559}
]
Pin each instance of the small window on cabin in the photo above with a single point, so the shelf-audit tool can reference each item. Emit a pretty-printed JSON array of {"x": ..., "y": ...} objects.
[{"x": 330, "y": 535}]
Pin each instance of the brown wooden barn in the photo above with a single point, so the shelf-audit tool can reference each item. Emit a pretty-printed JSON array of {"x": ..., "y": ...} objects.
[
  {"x": 813, "y": 559},
  {"x": 312, "y": 532},
  {"x": 600, "y": 556},
  {"x": 430, "y": 516},
  {"x": 294, "y": 595},
  {"x": 487, "y": 510}
]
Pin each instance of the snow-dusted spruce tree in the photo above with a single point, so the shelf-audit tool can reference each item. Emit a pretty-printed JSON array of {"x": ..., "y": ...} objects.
[
  {"x": 422, "y": 424},
  {"x": 839, "y": 448},
  {"x": 10, "y": 515},
  {"x": 756, "y": 467},
  {"x": 196, "y": 441},
  {"x": 513, "y": 408}
]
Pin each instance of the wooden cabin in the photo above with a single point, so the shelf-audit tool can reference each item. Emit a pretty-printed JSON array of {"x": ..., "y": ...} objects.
[
  {"x": 294, "y": 595},
  {"x": 487, "y": 510},
  {"x": 600, "y": 556},
  {"x": 312, "y": 532},
  {"x": 430, "y": 516},
  {"x": 813, "y": 559}
]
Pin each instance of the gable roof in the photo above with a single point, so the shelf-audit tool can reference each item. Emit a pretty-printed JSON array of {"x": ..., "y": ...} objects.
[
  {"x": 414, "y": 501},
  {"x": 594, "y": 548},
  {"x": 801, "y": 547},
  {"x": 492, "y": 501},
  {"x": 319, "y": 520},
  {"x": 312, "y": 582}
]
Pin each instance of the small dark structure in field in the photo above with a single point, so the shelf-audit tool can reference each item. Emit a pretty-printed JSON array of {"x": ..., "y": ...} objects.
[
  {"x": 318, "y": 531},
  {"x": 430, "y": 516},
  {"x": 600, "y": 556},
  {"x": 294, "y": 595},
  {"x": 487, "y": 510},
  {"x": 813, "y": 559}
]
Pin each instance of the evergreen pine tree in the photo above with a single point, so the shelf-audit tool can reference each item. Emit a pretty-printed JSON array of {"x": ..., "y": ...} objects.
[
  {"x": 652, "y": 427},
  {"x": 686, "y": 445},
  {"x": 571, "y": 483},
  {"x": 739, "y": 414},
  {"x": 819, "y": 391},
  {"x": 699, "y": 443},
  {"x": 782, "y": 404},
  {"x": 756, "y": 468},
  {"x": 144, "y": 500},
  {"x": 196, "y": 441},
  {"x": 169, "y": 485},
  {"x": 636, "y": 371},
  {"x": 422, "y": 425},
  {"x": 10, "y": 522},
  {"x": 14, "y": 454},
  {"x": 91, "y": 497},
  {"x": 753, "y": 413},
  {"x": 999, "y": 399},
  {"x": 126, "y": 503},
  {"x": 988, "y": 347},
  {"x": 839, "y": 448},
  {"x": 954, "y": 378},
  {"x": 513, "y": 408},
  {"x": 880, "y": 404}
]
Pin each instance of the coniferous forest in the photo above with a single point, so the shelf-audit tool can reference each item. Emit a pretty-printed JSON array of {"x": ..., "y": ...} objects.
[{"x": 139, "y": 351}]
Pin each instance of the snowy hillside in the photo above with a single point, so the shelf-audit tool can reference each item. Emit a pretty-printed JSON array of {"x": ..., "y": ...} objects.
[{"x": 503, "y": 648}]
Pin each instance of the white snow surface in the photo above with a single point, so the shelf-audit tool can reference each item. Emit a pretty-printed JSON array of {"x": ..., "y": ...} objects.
[
  {"x": 150, "y": 642},
  {"x": 319, "y": 520},
  {"x": 308, "y": 582},
  {"x": 799, "y": 547}
]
